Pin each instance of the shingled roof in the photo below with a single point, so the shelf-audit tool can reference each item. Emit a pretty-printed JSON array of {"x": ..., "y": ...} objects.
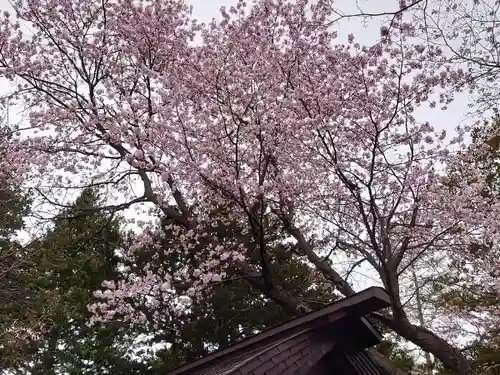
[{"x": 335, "y": 335}]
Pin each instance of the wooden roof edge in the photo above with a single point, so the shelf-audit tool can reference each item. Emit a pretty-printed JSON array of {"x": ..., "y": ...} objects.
[
  {"x": 357, "y": 305},
  {"x": 373, "y": 330}
]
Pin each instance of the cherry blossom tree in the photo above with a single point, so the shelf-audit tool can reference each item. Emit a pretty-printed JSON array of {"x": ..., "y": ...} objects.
[
  {"x": 12, "y": 157},
  {"x": 467, "y": 34},
  {"x": 270, "y": 120}
]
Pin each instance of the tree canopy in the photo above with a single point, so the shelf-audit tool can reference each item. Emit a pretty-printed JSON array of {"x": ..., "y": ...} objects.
[{"x": 258, "y": 144}]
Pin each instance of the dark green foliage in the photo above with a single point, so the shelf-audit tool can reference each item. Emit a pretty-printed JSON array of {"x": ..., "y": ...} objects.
[
  {"x": 486, "y": 356},
  {"x": 232, "y": 310},
  {"x": 78, "y": 253},
  {"x": 488, "y": 133},
  {"x": 232, "y": 313},
  {"x": 67, "y": 265},
  {"x": 17, "y": 295}
]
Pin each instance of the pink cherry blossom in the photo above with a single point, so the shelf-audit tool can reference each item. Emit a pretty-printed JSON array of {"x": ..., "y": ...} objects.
[{"x": 270, "y": 120}]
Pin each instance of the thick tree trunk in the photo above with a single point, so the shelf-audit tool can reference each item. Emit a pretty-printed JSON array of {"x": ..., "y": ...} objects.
[
  {"x": 421, "y": 320},
  {"x": 450, "y": 356}
]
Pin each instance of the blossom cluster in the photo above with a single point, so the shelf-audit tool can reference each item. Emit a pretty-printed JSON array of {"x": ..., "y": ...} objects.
[{"x": 270, "y": 117}]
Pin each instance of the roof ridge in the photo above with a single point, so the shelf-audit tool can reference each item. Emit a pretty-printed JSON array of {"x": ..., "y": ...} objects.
[{"x": 357, "y": 305}]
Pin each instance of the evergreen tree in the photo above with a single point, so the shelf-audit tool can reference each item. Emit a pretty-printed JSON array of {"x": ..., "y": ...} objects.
[
  {"x": 79, "y": 253},
  {"x": 68, "y": 263},
  {"x": 16, "y": 295},
  {"x": 230, "y": 311}
]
